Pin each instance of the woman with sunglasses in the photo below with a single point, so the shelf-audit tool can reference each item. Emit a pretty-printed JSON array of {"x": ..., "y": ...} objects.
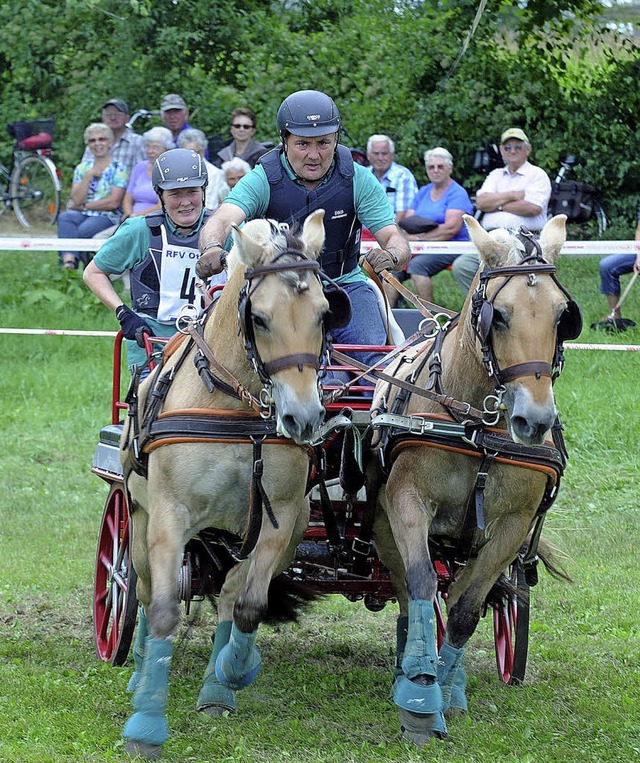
[{"x": 242, "y": 145}]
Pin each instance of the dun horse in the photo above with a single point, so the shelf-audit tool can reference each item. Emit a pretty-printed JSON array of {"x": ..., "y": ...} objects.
[
  {"x": 499, "y": 359},
  {"x": 203, "y": 444}
]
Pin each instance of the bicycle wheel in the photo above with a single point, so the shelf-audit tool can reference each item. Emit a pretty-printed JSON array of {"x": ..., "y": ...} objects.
[
  {"x": 35, "y": 191},
  {"x": 600, "y": 216}
]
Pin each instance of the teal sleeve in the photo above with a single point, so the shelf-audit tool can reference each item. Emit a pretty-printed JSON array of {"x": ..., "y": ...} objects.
[
  {"x": 251, "y": 193},
  {"x": 126, "y": 248},
  {"x": 370, "y": 198}
]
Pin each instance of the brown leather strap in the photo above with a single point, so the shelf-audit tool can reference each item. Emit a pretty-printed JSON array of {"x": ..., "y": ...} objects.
[
  {"x": 366, "y": 266},
  {"x": 535, "y": 368},
  {"x": 421, "y": 304},
  {"x": 241, "y": 391},
  {"x": 447, "y": 402}
]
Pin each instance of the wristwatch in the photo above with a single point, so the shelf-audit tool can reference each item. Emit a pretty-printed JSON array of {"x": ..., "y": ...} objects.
[{"x": 500, "y": 208}]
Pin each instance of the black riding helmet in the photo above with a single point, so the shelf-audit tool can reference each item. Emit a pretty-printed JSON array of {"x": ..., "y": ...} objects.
[
  {"x": 307, "y": 113},
  {"x": 179, "y": 168}
]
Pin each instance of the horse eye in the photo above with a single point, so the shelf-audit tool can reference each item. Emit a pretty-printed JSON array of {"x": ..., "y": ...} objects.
[
  {"x": 259, "y": 322},
  {"x": 500, "y": 318}
]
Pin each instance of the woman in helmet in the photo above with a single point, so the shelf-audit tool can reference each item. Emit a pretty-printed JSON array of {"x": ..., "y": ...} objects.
[
  {"x": 160, "y": 250},
  {"x": 310, "y": 170}
]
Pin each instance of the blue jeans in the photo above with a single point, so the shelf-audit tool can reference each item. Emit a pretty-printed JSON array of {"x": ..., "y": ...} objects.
[
  {"x": 75, "y": 224},
  {"x": 365, "y": 327},
  {"x": 611, "y": 268}
]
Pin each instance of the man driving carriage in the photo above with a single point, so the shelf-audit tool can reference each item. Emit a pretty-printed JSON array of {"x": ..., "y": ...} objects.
[
  {"x": 160, "y": 250},
  {"x": 310, "y": 170}
]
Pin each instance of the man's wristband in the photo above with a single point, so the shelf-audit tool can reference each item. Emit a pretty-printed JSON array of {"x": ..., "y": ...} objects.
[{"x": 210, "y": 245}]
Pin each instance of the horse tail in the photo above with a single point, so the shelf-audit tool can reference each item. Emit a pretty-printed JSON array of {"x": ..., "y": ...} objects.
[
  {"x": 287, "y": 600},
  {"x": 553, "y": 559}
]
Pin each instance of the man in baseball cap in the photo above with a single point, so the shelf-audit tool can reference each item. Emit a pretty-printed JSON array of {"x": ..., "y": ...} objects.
[
  {"x": 175, "y": 114},
  {"x": 511, "y": 196},
  {"x": 128, "y": 148}
]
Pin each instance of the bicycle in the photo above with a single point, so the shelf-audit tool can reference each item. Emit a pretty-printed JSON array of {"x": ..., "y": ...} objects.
[
  {"x": 142, "y": 114},
  {"x": 32, "y": 183},
  {"x": 577, "y": 200}
]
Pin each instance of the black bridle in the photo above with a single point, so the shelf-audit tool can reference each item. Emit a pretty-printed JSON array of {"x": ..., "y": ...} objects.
[
  {"x": 482, "y": 311},
  {"x": 339, "y": 313}
]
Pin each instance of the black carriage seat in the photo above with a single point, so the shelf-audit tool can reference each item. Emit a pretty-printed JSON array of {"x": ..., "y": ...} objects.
[{"x": 408, "y": 319}]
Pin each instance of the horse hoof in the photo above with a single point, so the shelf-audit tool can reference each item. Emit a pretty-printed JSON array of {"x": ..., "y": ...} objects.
[
  {"x": 420, "y": 740},
  {"x": 142, "y": 750},
  {"x": 215, "y": 711},
  {"x": 420, "y": 729}
]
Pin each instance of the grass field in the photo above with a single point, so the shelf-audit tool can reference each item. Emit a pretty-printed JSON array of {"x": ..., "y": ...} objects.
[{"x": 322, "y": 695}]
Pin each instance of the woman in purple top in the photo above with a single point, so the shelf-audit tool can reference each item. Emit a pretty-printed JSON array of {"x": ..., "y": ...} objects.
[
  {"x": 140, "y": 198},
  {"x": 444, "y": 201}
]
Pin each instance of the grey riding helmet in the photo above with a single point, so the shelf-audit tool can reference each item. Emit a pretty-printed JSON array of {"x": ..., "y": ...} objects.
[
  {"x": 307, "y": 113},
  {"x": 179, "y": 168}
]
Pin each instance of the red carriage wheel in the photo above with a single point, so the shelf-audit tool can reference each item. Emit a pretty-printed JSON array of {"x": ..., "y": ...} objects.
[
  {"x": 511, "y": 627},
  {"x": 114, "y": 599}
]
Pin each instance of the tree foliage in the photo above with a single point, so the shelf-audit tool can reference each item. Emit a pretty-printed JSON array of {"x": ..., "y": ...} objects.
[{"x": 392, "y": 66}]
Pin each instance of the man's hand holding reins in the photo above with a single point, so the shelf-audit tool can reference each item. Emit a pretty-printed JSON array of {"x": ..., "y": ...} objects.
[{"x": 212, "y": 260}]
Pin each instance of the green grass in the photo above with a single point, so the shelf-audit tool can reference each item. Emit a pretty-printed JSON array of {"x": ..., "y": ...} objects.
[{"x": 322, "y": 695}]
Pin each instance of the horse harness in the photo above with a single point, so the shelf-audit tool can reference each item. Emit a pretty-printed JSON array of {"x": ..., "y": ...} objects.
[
  {"x": 476, "y": 435},
  {"x": 256, "y": 426}
]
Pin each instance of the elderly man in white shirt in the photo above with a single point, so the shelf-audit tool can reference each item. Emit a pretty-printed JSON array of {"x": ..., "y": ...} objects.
[{"x": 511, "y": 196}]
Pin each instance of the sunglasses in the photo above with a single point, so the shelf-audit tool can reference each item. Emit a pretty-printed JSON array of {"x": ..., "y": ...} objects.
[
  {"x": 242, "y": 127},
  {"x": 518, "y": 147}
]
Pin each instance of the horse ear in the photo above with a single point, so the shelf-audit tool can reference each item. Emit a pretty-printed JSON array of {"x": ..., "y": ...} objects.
[
  {"x": 492, "y": 251},
  {"x": 313, "y": 234},
  {"x": 245, "y": 248},
  {"x": 553, "y": 236}
]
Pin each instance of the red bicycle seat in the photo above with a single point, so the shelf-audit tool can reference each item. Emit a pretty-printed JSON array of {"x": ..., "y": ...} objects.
[{"x": 41, "y": 140}]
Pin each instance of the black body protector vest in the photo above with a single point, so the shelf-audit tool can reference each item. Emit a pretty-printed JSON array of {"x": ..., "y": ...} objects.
[
  {"x": 166, "y": 279},
  {"x": 291, "y": 203}
]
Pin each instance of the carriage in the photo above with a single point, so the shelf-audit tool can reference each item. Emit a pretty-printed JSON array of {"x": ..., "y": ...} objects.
[
  {"x": 332, "y": 559},
  {"x": 351, "y": 506}
]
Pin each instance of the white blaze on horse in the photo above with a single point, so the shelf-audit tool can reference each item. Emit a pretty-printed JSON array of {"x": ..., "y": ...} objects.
[
  {"x": 497, "y": 361},
  {"x": 206, "y": 454}
]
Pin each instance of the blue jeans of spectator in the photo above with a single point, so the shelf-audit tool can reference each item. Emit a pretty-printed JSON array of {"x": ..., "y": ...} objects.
[
  {"x": 365, "y": 327},
  {"x": 75, "y": 224},
  {"x": 611, "y": 268}
]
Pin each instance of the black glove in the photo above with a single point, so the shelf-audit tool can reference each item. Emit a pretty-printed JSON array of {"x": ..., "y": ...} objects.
[
  {"x": 381, "y": 259},
  {"x": 132, "y": 325}
]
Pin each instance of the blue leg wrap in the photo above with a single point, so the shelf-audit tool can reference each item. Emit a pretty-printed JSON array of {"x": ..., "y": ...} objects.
[
  {"x": 239, "y": 661},
  {"x": 138, "y": 650},
  {"x": 148, "y": 724},
  {"x": 452, "y": 677},
  {"x": 420, "y": 659},
  {"x": 420, "y": 655},
  {"x": 215, "y": 698}
]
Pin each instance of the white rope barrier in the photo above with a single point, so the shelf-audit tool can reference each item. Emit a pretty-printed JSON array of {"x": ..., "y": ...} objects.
[
  {"x": 571, "y": 248},
  {"x": 112, "y": 334},
  {"x": 57, "y": 332}
]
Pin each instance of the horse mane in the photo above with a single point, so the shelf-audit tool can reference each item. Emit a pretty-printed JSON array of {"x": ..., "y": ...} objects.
[{"x": 275, "y": 239}]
